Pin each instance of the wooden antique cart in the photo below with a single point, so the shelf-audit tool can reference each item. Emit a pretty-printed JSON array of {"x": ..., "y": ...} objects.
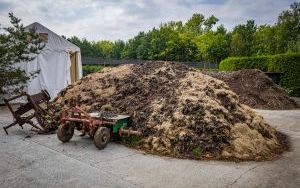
[{"x": 37, "y": 106}]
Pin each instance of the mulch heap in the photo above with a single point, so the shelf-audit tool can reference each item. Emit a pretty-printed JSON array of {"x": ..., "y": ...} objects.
[
  {"x": 181, "y": 112},
  {"x": 256, "y": 89}
]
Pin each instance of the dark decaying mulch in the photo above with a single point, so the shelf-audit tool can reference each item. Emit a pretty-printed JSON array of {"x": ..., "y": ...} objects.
[{"x": 256, "y": 89}]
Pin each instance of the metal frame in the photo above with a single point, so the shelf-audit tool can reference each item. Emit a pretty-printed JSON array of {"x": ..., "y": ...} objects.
[
  {"x": 84, "y": 122},
  {"x": 89, "y": 124}
]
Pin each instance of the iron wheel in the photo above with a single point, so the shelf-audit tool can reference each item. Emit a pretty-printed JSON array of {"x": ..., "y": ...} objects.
[
  {"x": 101, "y": 137},
  {"x": 65, "y": 132}
]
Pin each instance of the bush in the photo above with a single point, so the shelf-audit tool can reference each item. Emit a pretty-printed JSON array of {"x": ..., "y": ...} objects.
[
  {"x": 238, "y": 63},
  {"x": 288, "y": 64},
  {"x": 88, "y": 69}
]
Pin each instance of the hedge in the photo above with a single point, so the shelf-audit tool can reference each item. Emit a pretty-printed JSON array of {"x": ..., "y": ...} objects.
[{"x": 288, "y": 64}]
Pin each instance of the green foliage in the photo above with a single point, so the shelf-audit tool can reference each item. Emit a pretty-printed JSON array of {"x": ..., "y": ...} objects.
[
  {"x": 197, "y": 152},
  {"x": 180, "y": 48},
  {"x": 131, "y": 140},
  {"x": 242, "y": 39},
  {"x": 213, "y": 46},
  {"x": 88, "y": 69},
  {"x": 90, "y": 49},
  {"x": 117, "y": 49},
  {"x": 195, "y": 23},
  {"x": 238, "y": 63},
  {"x": 287, "y": 29},
  {"x": 201, "y": 39},
  {"x": 172, "y": 41},
  {"x": 288, "y": 64},
  {"x": 264, "y": 40},
  {"x": 16, "y": 45}
]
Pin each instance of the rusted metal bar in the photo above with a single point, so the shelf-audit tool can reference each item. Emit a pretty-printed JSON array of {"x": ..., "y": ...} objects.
[{"x": 129, "y": 132}]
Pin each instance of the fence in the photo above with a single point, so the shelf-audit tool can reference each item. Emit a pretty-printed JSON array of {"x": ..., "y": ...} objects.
[{"x": 114, "y": 62}]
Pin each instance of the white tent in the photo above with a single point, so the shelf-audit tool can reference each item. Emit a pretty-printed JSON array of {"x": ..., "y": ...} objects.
[{"x": 59, "y": 63}]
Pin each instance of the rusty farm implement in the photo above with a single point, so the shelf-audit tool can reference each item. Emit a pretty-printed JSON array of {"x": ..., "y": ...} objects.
[{"x": 101, "y": 126}]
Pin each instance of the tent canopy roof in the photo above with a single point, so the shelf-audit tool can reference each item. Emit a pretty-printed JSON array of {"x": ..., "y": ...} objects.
[{"x": 54, "y": 41}]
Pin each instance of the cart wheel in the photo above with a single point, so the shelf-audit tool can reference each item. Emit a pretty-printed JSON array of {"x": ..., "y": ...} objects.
[
  {"x": 101, "y": 137},
  {"x": 65, "y": 132}
]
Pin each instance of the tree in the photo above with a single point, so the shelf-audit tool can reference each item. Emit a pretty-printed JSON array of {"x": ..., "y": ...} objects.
[
  {"x": 17, "y": 45},
  {"x": 118, "y": 48},
  {"x": 131, "y": 48},
  {"x": 195, "y": 24},
  {"x": 161, "y": 42},
  {"x": 87, "y": 48},
  {"x": 221, "y": 30},
  {"x": 213, "y": 46},
  {"x": 210, "y": 22},
  {"x": 288, "y": 29},
  {"x": 198, "y": 24},
  {"x": 106, "y": 47},
  {"x": 198, "y": 39},
  {"x": 264, "y": 40},
  {"x": 180, "y": 48},
  {"x": 294, "y": 45},
  {"x": 242, "y": 39}
]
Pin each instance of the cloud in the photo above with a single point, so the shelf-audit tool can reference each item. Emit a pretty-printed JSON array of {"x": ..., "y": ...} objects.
[
  {"x": 4, "y": 6},
  {"x": 122, "y": 19}
]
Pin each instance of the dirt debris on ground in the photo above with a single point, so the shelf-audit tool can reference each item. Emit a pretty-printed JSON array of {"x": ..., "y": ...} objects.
[
  {"x": 181, "y": 112},
  {"x": 256, "y": 89}
]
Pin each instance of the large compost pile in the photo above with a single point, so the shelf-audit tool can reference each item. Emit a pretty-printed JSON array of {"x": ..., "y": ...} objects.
[
  {"x": 256, "y": 89},
  {"x": 181, "y": 112}
]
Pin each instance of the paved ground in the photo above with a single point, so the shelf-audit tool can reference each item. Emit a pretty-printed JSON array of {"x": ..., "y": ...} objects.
[{"x": 43, "y": 161}]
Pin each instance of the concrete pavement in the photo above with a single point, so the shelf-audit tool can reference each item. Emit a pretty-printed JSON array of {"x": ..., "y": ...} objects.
[{"x": 43, "y": 161}]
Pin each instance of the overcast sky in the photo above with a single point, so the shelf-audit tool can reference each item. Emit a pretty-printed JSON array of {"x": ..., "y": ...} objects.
[{"x": 123, "y": 19}]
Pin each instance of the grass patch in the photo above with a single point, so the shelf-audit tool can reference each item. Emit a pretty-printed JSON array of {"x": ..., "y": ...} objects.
[
  {"x": 131, "y": 140},
  {"x": 197, "y": 152},
  {"x": 88, "y": 69}
]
